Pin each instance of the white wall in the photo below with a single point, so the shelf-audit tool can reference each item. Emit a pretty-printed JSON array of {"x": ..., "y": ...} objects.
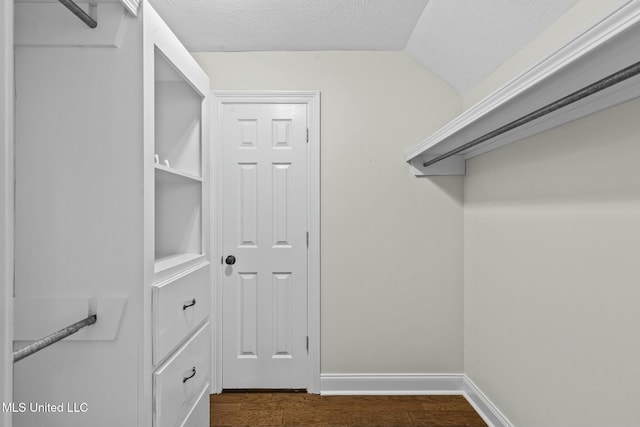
[
  {"x": 391, "y": 244},
  {"x": 579, "y": 18},
  {"x": 6, "y": 208},
  {"x": 552, "y": 231},
  {"x": 552, "y": 279}
]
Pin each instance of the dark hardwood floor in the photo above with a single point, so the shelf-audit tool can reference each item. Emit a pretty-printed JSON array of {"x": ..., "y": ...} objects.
[{"x": 301, "y": 410}]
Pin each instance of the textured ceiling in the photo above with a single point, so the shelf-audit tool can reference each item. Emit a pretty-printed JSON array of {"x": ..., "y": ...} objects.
[
  {"x": 462, "y": 41},
  {"x": 259, "y": 25}
]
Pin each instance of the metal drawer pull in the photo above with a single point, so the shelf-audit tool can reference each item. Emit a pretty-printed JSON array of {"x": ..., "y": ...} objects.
[
  {"x": 193, "y": 374},
  {"x": 191, "y": 304}
]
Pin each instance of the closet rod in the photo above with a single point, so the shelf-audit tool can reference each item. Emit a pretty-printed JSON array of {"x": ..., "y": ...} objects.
[
  {"x": 53, "y": 338},
  {"x": 77, "y": 10},
  {"x": 610, "y": 80}
]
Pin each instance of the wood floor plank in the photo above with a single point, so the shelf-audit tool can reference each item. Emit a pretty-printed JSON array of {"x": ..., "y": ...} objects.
[
  {"x": 444, "y": 403},
  {"x": 377, "y": 402},
  {"x": 346, "y": 416},
  {"x": 308, "y": 410},
  {"x": 243, "y": 417},
  {"x": 242, "y": 397},
  {"x": 446, "y": 419}
]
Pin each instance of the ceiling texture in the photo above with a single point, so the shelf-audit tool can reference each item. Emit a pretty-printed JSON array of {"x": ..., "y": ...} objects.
[{"x": 462, "y": 41}]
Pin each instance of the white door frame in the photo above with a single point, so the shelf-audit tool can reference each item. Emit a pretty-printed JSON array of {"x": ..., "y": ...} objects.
[
  {"x": 312, "y": 101},
  {"x": 6, "y": 209}
]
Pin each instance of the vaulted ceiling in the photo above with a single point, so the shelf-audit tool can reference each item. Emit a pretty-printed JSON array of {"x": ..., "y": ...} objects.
[{"x": 460, "y": 40}]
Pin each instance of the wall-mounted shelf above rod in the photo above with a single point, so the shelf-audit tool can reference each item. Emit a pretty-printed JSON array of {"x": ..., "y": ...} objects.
[
  {"x": 597, "y": 70},
  {"x": 600, "y": 85}
]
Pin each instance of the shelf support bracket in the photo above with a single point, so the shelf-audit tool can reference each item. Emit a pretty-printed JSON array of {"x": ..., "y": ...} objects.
[{"x": 452, "y": 165}]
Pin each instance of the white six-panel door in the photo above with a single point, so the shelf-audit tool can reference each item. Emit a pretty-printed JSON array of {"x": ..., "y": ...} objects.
[{"x": 264, "y": 150}]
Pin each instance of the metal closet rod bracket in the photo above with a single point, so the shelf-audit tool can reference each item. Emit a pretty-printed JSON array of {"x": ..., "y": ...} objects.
[{"x": 88, "y": 18}]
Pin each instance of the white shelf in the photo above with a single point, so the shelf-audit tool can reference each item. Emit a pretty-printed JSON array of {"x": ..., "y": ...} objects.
[
  {"x": 178, "y": 214},
  {"x": 606, "y": 48},
  {"x": 175, "y": 173},
  {"x": 178, "y": 119},
  {"x": 174, "y": 260},
  {"x": 178, "y": 127}
]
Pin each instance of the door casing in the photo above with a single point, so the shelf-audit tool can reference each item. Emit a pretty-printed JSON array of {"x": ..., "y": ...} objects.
[{"x": 312, "y": 101}]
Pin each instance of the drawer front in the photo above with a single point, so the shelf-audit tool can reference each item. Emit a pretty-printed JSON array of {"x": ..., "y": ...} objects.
[
  {"x": 178, "y": 383},
  {"x": 180, "y": 304},
  {"x": 199, "y": 416}
]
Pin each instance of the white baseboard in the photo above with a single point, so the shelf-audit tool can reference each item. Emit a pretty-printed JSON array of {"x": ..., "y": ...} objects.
[
  {"x": 358, "y": 384},
  {"x": 407, "y": 384},
  {"x": 483, "y": 406}
]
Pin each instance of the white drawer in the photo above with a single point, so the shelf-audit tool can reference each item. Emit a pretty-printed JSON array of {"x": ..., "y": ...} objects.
[
  {"x": 177, "y": 384},
  {"x": 199, "y": 415},
  {"x": 179, "y": 305}
]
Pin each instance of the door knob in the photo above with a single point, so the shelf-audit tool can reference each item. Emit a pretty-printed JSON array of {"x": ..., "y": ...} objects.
[{"x": 230, "y": 260}]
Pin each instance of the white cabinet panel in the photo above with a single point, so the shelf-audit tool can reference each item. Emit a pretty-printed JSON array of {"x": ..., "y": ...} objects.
[
  {"x": 199, "y": 415},
  {"x": 180, "y": 304},
  {"x": 179, "y": 381}
]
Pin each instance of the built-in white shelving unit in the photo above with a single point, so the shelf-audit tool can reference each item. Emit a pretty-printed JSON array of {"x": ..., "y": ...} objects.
[
  {"x": 605, "y": 49},
  {"x": 112, "y": 217},
  {"x": 178, "y": 169}
]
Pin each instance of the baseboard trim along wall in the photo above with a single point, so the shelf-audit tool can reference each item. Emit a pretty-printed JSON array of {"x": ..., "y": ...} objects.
[
  {"x": 361, "y": 384},
  {"x": 406, "y": 384},
  {"x": 483, "y": 406}
]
